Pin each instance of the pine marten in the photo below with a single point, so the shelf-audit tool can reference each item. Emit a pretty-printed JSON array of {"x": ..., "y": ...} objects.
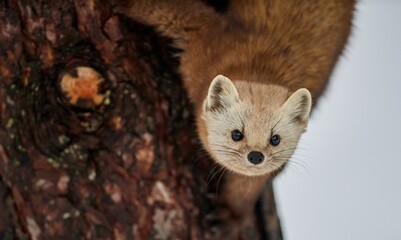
[{"x": 251, "y": 72}]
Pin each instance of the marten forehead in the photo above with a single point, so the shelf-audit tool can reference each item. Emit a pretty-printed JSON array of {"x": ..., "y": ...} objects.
[
  {"x": 259, "y": 118},
  {"x": 262, "y": 97}
]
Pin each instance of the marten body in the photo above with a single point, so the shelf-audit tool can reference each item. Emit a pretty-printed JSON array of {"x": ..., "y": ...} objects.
[{"x": 269, "y": 50}]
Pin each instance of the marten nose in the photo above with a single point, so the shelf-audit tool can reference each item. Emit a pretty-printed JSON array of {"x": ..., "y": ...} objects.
[{"x": 255, "y": 157}]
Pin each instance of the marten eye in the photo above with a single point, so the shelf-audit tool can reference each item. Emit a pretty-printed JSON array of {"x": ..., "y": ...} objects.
[
  {"x": 236, "y": 135},
  {"x": 275, "y": 140}
]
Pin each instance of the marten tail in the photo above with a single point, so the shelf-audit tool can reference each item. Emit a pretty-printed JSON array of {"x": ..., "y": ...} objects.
[{"x": 178, "y": 19}]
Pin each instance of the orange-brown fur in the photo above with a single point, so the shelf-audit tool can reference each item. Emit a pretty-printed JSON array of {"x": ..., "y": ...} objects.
[{"x": 292, "y": 44}]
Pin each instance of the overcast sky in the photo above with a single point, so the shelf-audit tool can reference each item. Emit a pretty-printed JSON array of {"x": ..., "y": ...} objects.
[{"x": 349, "y": 184}]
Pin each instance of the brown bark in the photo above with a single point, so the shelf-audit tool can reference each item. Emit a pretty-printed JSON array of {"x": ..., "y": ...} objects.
[{"x": 97, "y": 137}]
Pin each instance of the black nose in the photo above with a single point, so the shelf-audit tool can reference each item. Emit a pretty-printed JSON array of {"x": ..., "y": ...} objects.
[{"x": 255, "y": 157}]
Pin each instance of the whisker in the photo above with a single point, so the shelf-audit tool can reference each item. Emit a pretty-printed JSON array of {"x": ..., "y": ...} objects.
[
  {"x": 229, "y": 152},
  {"x": 293, "y": 165},
  {"x": 250, "y": 185},
  {"x": 293, "y": 169},
  {"x": 225, "y": 147},
  {"x": 219, "y": 170},
  {"x": 211, "y": 171},
  {"x": 299, "y": 164},
  {"x": 283, "y": 151},
  {"x": 218, "y": 181}
]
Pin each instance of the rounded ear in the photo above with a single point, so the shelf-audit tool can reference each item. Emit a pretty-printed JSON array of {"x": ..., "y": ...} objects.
[
  {"x": 222, "y": 94},
  {"x": 299, "y": 105}
]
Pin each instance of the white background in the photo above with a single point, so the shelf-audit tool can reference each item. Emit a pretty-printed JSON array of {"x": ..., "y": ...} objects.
[{"x": 350, "y": 188}]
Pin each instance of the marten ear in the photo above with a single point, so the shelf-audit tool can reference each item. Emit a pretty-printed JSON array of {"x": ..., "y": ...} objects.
[
  {"x": 222, "y": 94},
  {"x": 299, "y": 105}
]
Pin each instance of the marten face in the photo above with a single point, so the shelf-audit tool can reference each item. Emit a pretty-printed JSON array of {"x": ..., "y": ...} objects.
[{"x": 251, "y": 128}]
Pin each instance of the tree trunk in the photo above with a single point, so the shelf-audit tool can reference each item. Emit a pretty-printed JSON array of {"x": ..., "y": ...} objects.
[{"x": 97, "y": 136}]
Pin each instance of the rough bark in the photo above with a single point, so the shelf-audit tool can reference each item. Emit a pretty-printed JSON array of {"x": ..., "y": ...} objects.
[{"x": 97, "y": 137}]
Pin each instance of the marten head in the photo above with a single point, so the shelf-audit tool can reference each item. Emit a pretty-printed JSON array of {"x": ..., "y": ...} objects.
[{"x": 252, "y": 128}]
